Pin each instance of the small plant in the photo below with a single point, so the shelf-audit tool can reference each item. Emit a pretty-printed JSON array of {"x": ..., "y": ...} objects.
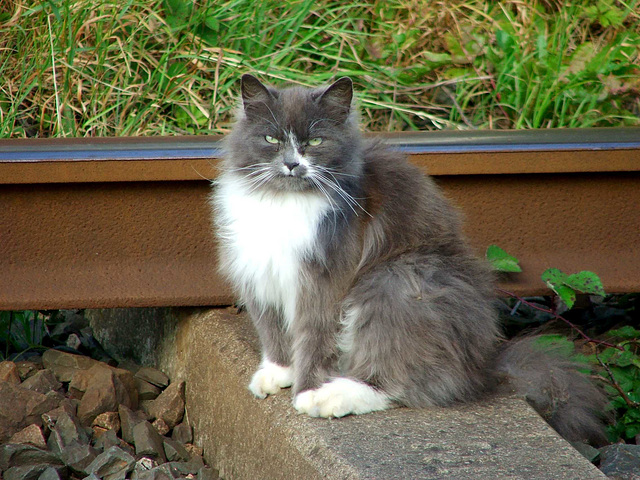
[
  {"x": 566, "y": 286},
  {"x": 501, "y": 261},
  {"x": 621, "y": 375},
  {"x": 21, "y": 331},
  {"x": 616, "y": 360}
]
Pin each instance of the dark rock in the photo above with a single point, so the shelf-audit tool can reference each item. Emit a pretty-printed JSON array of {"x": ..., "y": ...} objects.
[
  {"x": 70, "y": 441},
  {"x": 98, "y": 432},
  {"x": 145, "y": 406},
  {"x": 169, "y": 406},
  {"x": 31, "y": 435},
  {"x": 153, "y": 376},
  {"x": 15, "y": 455},
  {"x": 42, "y": 381},
  {"x": 146, "y": 391},
  {"x": 179, "y": 469},
  {"x": 193, "y": 450},
  {"x": 37, "y": 404},
  {"x": 73, "y": 321},
  {"x": 128, "y": 420},
  {"x": 78, "y": 458},
  {"x": 127, "y": 364},
  {"x": 50, "y": 473},
  {"x": 168, "y": 469},
  {"x": 175, "y": 451},
  {"x": 20, "y": 407},
  {"x": 161, "y": 426},
  {"x": 148, "y": 441},
  {"x": 73, "y": 341},
  {"x": 587, "y": 451},
  {"x": 114, "y": 463},
  {"x": 183, "y": 469},
  {"x": 31, "y": 472},
  {"x": 50, "y": 418},
  {"x": 143, "y": 465},
  {"x": 621, "y": 461},
  {"x": 26, "y": 368},
  {"x": 9, "y": 372},
  {"x": 97, "y": 400},
  {"x": 182, "y": 433},
  {"x": 67, "y": 432},
  {"x": 108, "y": 421},
  {"x": 104, "y": 389},
  {"x": 195, "y": 463},
  {"x": 64, "y": 364},
  {"x": 107, "y": 440},
  {"x": 161, "y": 472},
  {"x": 110, "y": 439}
]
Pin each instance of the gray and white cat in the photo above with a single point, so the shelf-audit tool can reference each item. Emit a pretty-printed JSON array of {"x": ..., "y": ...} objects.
[{"x": 354, "y": 270}]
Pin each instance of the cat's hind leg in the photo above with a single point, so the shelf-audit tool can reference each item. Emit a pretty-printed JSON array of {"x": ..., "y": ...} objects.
[{"x": 419, "y": 328}]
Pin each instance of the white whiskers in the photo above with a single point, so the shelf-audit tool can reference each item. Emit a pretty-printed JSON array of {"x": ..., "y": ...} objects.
[
  {"x": 323, "y": 178},
  {"x": 326, "y": 177}
]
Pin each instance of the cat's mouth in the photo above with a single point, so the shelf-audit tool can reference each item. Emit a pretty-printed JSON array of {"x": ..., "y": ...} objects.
[{"x": 291, "y": 180}]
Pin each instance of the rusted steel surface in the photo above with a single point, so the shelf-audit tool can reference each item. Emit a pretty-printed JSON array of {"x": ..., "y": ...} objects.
[{"x": 125, "y": 222}]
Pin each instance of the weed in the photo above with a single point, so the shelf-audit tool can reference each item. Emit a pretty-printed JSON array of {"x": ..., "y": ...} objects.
[
  {"x": 166, "y": 67},
  {"x": 616, "y": 359},
  {"x": 21, "y": 331}
]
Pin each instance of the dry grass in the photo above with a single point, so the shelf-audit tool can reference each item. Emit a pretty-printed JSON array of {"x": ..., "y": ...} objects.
[{"x": 107, "y": 68}]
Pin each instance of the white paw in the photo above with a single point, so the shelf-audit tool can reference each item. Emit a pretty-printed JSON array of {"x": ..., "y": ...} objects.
[
  {"x": 340, "y": 397},
  {"x": 270, "y": 378}
]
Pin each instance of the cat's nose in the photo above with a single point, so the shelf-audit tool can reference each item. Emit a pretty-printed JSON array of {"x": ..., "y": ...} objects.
[{"x": 291, "y": 164}]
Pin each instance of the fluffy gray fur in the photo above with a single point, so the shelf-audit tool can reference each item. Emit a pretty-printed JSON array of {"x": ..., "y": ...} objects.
[{"x": 391, "y": 295}]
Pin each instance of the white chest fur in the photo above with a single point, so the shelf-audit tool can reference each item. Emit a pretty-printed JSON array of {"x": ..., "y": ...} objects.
[{"x": 265, "y": 238}]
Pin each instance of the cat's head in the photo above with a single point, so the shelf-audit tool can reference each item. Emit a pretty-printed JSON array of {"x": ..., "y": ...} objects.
[{"x": 295, "y": 138}]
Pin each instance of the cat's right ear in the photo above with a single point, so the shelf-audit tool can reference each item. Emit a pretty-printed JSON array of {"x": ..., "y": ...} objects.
[{"x": 253, "y": 91}]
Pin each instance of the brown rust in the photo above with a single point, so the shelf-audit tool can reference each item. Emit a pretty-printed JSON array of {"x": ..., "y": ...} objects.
[{"x": 136, "y": 231}]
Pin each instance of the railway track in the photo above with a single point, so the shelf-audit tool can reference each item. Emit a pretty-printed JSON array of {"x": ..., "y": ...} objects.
[{"x": 124, "y": 222}]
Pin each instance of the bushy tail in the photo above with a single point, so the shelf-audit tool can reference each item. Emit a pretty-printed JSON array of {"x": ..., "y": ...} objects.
[{"x": 563, "y": 396}]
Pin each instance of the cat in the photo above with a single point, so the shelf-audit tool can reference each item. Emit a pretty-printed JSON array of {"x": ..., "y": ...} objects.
[{"x": 353, "y": 267}]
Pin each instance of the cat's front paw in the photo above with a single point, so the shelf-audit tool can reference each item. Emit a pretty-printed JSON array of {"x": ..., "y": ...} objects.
[
  {"x": 270, "y": 378},
  {"x": 340, "y": 397}
]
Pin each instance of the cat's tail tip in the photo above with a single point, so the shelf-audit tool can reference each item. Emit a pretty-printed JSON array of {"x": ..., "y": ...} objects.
[{"x": 566, "y": 398}]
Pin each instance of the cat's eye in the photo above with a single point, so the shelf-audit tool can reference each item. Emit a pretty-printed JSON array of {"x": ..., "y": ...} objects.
[
  {"x": 314, "y": 142},
  {"x": 272, "y": 140}
]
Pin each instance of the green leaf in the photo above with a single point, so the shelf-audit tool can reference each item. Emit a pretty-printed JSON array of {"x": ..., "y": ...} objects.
[
  {"x": 556, "y": 281},
  {"x": 632, "y": 430},
  {"x": 607, "y": 354},
  {"x": 586, "y": 282},
  {"x": 627, "y": 332},
  {"x": 625, "y": 359},
  {"x": 501, "y": 260}
]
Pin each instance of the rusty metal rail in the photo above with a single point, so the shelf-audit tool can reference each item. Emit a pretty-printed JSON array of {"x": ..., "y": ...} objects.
[{"x": 124, "y": 222}]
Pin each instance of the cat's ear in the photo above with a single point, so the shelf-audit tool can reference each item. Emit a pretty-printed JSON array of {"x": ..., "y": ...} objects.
[
  {"x": 337, "y": 99},
  {"x": 253, "y": 91}
]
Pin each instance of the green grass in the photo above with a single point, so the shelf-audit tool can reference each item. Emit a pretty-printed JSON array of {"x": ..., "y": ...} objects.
[{"x": 166, "y": 67}]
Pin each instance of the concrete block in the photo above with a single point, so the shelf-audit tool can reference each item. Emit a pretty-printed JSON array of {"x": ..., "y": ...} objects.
[{"x": 215, "y": 351}]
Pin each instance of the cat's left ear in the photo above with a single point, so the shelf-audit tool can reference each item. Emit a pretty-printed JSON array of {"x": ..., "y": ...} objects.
[{"x": 337, "y": 99}]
